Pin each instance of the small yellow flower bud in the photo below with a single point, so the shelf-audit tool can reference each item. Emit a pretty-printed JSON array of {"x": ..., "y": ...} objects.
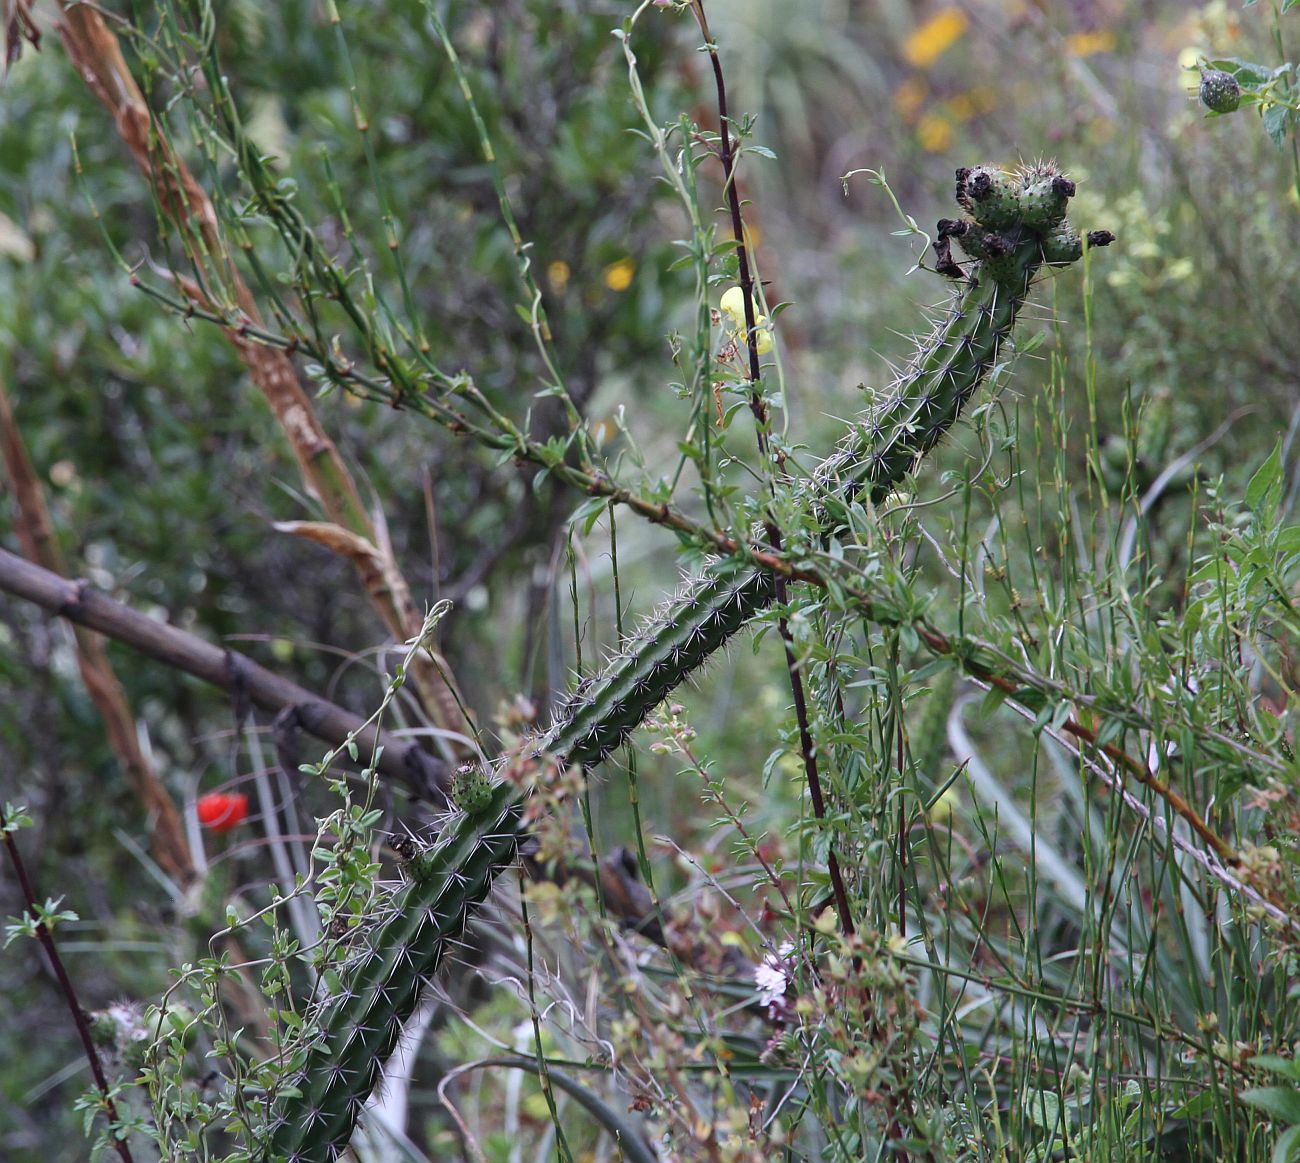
[
  {"x": 941, "y": 811},
  {"x": 732, "y": 306}
]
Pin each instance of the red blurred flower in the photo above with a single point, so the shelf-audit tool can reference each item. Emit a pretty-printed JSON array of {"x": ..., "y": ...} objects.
[{"x": 222, "y": 811}]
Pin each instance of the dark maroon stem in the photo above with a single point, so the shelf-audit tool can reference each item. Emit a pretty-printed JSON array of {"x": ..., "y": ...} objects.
[
  {"x": 79, "y": 1018},
  {"x": 759, "y": 410}
]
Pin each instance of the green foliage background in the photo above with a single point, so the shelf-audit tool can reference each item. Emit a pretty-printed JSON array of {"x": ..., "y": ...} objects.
[{"x": 165, "y": 470}]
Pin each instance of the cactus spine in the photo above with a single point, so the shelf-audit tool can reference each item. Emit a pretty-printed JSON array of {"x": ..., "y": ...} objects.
[{"x": 1016, "y": 224}]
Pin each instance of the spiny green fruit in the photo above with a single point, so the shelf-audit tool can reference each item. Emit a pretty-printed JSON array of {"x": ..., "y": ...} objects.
[
  {"x": 471, "y": 788},
  {"x": 1220, "y": 91},
  {"x": 1044, "y": 195},
  {"x": 991, "y": 196},
  {"x": 1064, "y": 245}
]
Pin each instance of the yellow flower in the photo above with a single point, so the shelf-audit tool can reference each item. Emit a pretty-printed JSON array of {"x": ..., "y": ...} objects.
[
  {"x": 732, "y": 306},
  {"x": 1086, "y": 44},
  {"x": 558, "y": 274},
  {"x": 910, "y": 96},
  {"x": 935, "y": 37},
  {"x": 618, "y": 275},
  {"x": 934, "y": 133}
]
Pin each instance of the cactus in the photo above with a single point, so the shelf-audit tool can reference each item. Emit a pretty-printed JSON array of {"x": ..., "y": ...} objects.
[
  {"x": 989, "y": 195},
  {"x": 1016, "y": 224},
  {"x": 358, "y": 1026},
  {"x": 602, "y": 711}
]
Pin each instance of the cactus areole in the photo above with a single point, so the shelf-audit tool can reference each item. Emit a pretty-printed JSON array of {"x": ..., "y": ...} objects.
[{"x": 1015, "y": 223}]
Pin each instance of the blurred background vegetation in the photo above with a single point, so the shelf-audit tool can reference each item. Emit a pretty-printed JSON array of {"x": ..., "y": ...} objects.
[{"x": 165, "y": 471}]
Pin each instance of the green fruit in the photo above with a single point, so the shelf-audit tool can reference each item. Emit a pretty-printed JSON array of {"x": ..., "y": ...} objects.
[
  {"x": 1044, "y": 195},
  {"x": 991, "y": 195},
  {"x": 1220, "y": 92},
  {"x": 471, "y": 788},
  {"x": 1062, "y": 246}
]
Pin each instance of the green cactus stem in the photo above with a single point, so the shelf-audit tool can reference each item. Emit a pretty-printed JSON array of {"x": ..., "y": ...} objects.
[
  {"x": 357, "y": 1027},
  {"x": 601, "y": 712},
  {"x": 1015, "y": 224}
]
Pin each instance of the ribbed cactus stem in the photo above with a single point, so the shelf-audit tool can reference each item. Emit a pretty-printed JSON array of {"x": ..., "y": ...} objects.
[
  {"x": 1016, "y": 223},
  {"x": 359, "y": 1025},
  {"x": 601, "y": 712},
  {"x": 874, "y": 457},
  {"x": 885, "y": 445}
]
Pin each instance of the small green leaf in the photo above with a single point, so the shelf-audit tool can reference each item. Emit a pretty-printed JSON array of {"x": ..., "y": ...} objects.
[
  {"x": 1044, "y": 1109},
  {"x": 1277, "y": 123},
  {"x": 1111, "y": 730},
  {"x": 1287, "y": 1147},
  {"x": 588, "y": 513},
  {"x": 1280, "y": 1103},
  {"x": 992, "y": 701},
  {"x": 1266, "y": 477},
  {"x": 1246, "y": 72}
]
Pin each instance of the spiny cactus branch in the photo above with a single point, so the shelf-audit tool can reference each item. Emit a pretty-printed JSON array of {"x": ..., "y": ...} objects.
[{"x": 1015, "y": 225}]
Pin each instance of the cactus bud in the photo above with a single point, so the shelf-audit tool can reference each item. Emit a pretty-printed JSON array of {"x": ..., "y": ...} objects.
[
  {"x": 471, "y": 788},
  {"x": 1044, "y": 194},
  {"x": 991, "y": 196}
]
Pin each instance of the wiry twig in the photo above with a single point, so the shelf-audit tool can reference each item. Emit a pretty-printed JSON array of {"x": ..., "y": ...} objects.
[
  {"x": 66, "y": 988},
  {"x": 184, "y": 203}
]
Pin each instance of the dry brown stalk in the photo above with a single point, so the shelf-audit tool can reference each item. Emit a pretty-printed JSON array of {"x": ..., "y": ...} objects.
[
  {"x": 36, "y": 533},
  {"x": 94, "y": 50},
  {"x": 81, "y": 604}
]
